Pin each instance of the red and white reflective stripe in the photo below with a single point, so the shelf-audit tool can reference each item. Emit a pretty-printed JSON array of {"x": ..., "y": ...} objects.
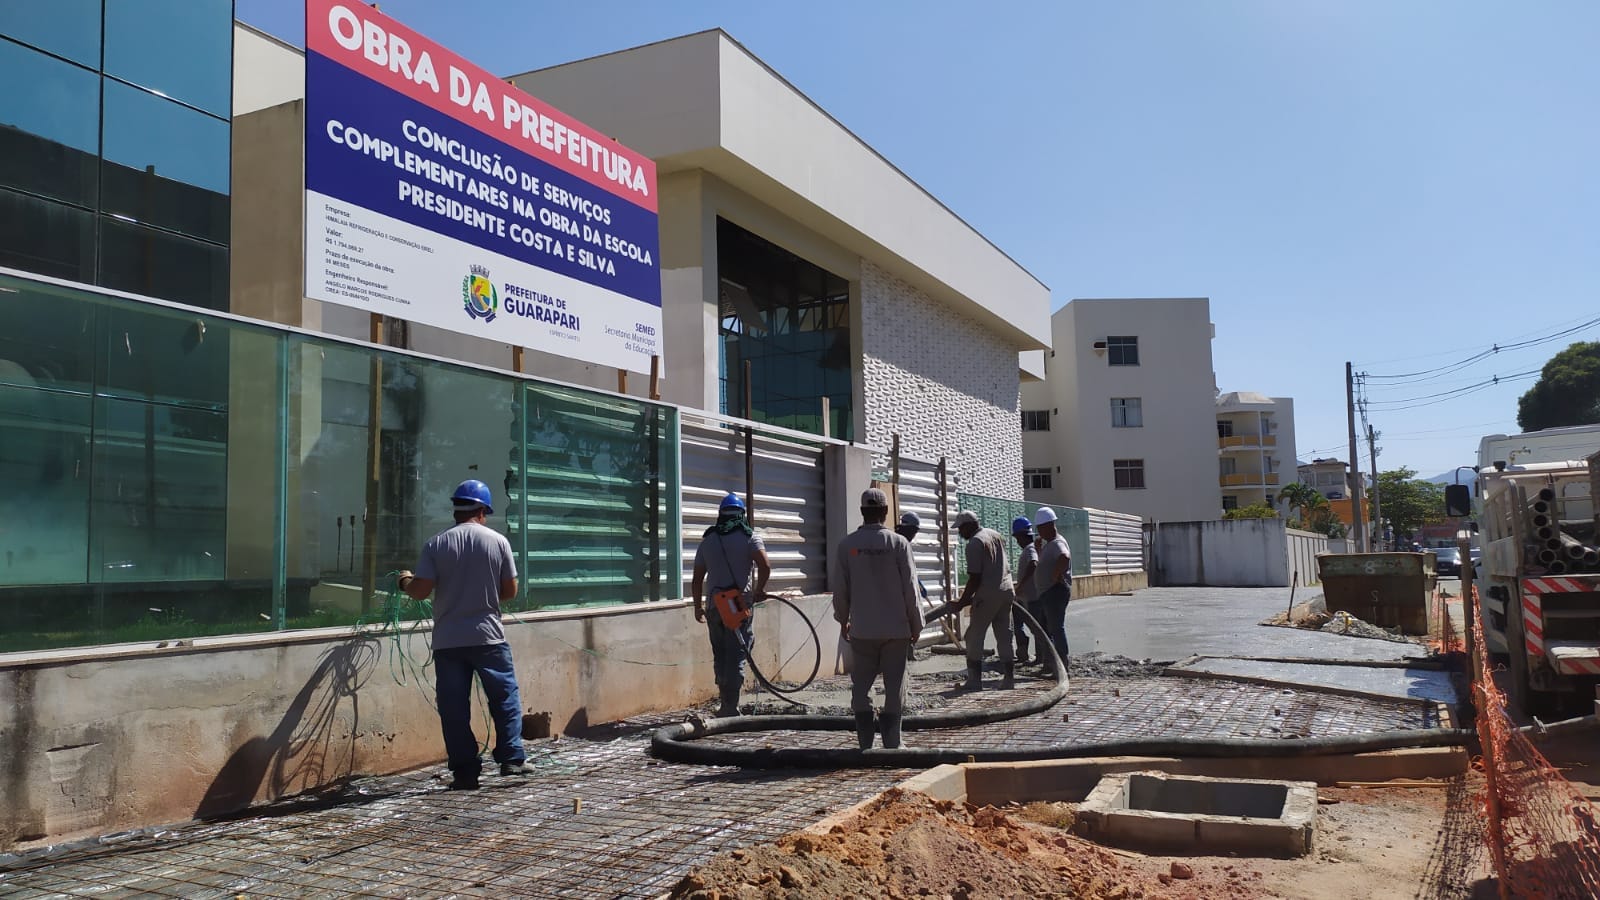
[
  {"x": 1559, "y": 585},
  {"x": 1533, "y": 624},
  {"x": 1579, "y": 666}
]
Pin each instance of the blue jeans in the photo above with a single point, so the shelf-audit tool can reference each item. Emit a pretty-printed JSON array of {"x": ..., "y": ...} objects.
[
  {"x": 453, "y": 669},
  {"x": 728, "y": 648},
  {"x": 1055, "y": 602}
]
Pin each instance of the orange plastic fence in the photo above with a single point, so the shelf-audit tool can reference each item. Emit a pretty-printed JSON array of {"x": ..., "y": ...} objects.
[{"x": 1544, "y": 837}]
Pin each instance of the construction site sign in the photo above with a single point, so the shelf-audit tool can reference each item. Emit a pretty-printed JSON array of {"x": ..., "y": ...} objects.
[{"x": 440, "y": 194}]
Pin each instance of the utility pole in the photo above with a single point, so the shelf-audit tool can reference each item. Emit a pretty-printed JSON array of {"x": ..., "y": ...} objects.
[
  {"x": 1356, "y": 519},
  {"x": 1377, "y": 495}
]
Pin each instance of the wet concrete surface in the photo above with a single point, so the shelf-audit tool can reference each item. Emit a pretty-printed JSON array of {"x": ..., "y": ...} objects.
[
  {"x": 1177, "y": 623},
  {"x": 1420, "y": 684},
  {"x": 600, "y": 817}
]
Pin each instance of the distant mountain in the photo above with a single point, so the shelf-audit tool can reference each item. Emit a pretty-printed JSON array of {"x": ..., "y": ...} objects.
[{"x": 1468, "y": 477}]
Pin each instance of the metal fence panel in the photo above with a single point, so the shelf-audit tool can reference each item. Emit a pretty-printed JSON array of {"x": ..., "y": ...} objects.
[
  {"x": 1116, "y": 542},
  {"x": 789, "y": 497}
]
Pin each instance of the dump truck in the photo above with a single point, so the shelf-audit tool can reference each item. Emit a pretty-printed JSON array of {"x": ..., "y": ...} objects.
[{"x": 1539, "y": 579}]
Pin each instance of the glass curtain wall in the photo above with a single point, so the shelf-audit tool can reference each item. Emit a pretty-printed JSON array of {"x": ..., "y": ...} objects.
[
  {"x": 790, "y": 319},
  {"x": 115, "y": 157},
  {"x": 167, "y": 474}
]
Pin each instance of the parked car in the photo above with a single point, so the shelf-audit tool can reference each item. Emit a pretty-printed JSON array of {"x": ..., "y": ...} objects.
[{"x": 1447, "y": 560}]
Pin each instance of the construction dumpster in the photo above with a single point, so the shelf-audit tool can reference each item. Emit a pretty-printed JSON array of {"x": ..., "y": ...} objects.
[{"x": 1389, "y": 590}]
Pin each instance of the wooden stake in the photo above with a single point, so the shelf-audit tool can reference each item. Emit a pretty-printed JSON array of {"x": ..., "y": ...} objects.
[
  {"x": 655, "y": 377},
  {"x": 516, "y": 360},
  {"x": 622, "y": 381}
]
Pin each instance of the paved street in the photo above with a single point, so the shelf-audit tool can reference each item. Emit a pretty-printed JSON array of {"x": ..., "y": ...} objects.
[{"x": 602, "y": 818}]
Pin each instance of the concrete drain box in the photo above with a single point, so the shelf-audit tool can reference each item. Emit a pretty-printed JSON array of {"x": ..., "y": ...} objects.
[{"x": 1176, "y": 812}]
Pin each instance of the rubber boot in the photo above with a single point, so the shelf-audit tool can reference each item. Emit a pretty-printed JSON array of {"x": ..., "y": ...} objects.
[
  {"x": 1009, "y": 681},
  {"x": 730, "y": 702},
  {"x": 864, "y": 730},
  {"x": 890, "y": 726},
  {"x": 1022, "y": 651},
  {"x": 974, "y": 680}
]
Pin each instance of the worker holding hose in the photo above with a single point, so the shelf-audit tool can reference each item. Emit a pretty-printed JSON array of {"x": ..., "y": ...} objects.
[
  {"x": 727, "y": 554},
  {"x": 470, "y": 570},
  {"x": 989, "y": 593},
  {"x": 875, "y": 603},
  {"x": 1027, "y": 561}
]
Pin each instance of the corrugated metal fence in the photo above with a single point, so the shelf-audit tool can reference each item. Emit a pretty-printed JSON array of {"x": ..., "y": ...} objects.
[
  {"x": 789, "y": 507},
  {"x": 1116, "y": 542}
]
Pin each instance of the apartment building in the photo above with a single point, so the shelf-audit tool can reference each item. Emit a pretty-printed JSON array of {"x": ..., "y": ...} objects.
[{"x": 1255, "y": 440}]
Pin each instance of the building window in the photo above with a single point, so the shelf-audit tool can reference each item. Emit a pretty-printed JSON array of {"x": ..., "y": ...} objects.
[
  {"x": 1129, "y": 473},
  {"x": 790, "y": 320},
  {"x": 1122, "y": 350},
  {"x": 1224, "y": 428},
  {"x": 1036, "y": 420},
  {"x": 1036, "y": 479},
  {"x": 1126, "y": 413},
  {"x": 1229, "y": 501},
  {"x": 1228, "y": 465}
]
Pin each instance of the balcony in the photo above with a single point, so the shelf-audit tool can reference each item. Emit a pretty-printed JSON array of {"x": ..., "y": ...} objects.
[
  {"x": 1249, "y": 479},
  {"x": 1247, "y": 441}
]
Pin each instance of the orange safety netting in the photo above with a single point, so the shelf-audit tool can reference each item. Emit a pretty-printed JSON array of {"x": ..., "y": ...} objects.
[{"x": 1544, "y": 837}]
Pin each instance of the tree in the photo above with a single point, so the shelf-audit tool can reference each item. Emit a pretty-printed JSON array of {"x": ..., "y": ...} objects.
[
  {"x": 1409, "y": 504},
  {"x": 1253, "y": 511},
  {"x": 1567, "y": 392},
  {"x": 1302, "y": 497}
]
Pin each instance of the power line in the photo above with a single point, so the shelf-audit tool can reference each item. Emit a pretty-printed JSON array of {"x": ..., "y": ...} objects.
[
  {"x": 1432, "y": 399},
  {"x": 1493, "y": 349}
]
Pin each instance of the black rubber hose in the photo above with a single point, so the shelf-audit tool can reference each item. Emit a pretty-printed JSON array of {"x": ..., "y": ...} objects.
[
  {"x": 667, "y": 741},
  {"x": 676, "y": 744}
]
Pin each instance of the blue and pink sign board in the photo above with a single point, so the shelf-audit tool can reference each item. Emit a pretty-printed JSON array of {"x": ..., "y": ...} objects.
[{"x": 438, "y": 193}]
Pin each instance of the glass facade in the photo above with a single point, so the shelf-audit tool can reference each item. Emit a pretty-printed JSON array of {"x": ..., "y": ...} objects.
[
  {"x": 169, "y": 474},
  {"x": 115, "y": 161},
  {"x": 789, "y": 319}
]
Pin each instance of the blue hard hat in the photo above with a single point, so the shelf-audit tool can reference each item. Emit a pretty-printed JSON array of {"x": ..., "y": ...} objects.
[
  {"x": 910, "y": 520},
  {"x": 731, "y": 501},
  {"x": 1021, "y": 525},
  {"x": 473, "y": 491}
]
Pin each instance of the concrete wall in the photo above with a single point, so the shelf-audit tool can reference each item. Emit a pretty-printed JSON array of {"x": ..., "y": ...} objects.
[
  {"x": 945, "y": 382},
  {"x": 115, "y": 738},
  {"x": 267, "y": 71},
  {"x": 1221, "y": 553}
]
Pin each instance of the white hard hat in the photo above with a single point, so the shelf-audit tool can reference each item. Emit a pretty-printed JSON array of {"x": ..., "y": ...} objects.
[{"x": 1045, "y": 514}]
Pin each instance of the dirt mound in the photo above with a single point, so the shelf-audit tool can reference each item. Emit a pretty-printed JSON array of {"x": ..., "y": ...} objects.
[{"x": 906, "y": 844}]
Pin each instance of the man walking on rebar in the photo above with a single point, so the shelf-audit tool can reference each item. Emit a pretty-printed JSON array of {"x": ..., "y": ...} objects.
[
  {"x": 472, "y": 570},
  {"x": 1052, "y": 578},
  {"x": 989, "y": 593},
  {"x": 727, "y": 553},
  {"x": 875, "y": 603}
]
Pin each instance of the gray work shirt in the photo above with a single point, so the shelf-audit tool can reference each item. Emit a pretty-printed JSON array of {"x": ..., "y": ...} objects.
[
  {"x": 876, "y": 588},
  {"x": 729, "y": 559},
  {"x": 1027, "y": 592},
  {"x": 467, "y": 564},
  {"x": 1050, "y": 552},
  {"x": 986, "y": 558}
]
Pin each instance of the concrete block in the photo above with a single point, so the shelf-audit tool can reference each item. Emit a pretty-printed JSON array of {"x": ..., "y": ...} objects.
[{"x": 1247, "y": 816}]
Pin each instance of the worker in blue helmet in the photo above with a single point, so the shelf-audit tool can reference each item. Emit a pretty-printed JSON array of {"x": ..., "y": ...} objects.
[
  {"x": 734, "y": 560},
  {"x": 1027, "y": 560},
  {"x": 469, "y": 570}
]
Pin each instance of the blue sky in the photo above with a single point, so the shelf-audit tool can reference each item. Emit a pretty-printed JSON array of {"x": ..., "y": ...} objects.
[{"x": 1401, "y": 185}]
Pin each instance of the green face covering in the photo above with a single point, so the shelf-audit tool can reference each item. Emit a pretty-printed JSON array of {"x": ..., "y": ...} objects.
[{"x": 728, "y": 523}]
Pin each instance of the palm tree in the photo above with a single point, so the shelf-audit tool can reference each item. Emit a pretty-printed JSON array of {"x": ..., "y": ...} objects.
[{"x": 1306, "y": 499}]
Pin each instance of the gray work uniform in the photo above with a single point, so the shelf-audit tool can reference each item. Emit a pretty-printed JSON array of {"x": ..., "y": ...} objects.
[
  {"x": 467, "y": 564},
  {"x": 991, "y": 606},
  {"x": 876, "y": 594},
  {"x": 729, "y": 561},
  {"x": 1054, "y": 594}
]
